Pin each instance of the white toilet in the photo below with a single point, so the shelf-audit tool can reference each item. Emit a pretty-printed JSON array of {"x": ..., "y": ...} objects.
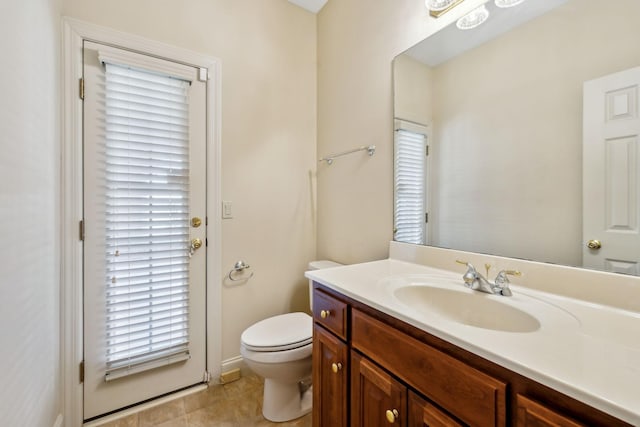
[{"x": 279, "y": 349}]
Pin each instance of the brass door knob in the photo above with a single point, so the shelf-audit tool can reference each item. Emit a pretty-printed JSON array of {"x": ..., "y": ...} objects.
[
  {"x": 594, "y": 244},
  {"x": 325, "y": 313},
  {"x": 335, "y": 367},
  {"x": 392, "y": 415},
  {"x": 196, "y": 243}
]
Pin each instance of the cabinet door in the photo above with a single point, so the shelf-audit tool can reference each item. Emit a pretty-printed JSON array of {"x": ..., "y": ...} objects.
[
  {"x": 533, "y": 414},
  {"x": 423, "y": 414},
  {"x": 330, "y": 379},
  {"x": 377, "y": 399}
]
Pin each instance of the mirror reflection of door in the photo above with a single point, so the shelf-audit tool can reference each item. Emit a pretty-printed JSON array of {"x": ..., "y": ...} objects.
[
  {"x": 144, "y": 179},
  {"x": 411, "y": 183},
  {"x": 611, "y": 157}
]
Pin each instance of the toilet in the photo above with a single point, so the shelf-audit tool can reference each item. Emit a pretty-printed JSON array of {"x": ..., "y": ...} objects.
[{"x": 279, "y": 349}]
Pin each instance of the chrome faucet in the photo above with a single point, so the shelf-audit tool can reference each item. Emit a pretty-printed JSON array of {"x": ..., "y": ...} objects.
[
  {"x": 476, "y": 281},
  {"x": 501, "y": 285}
]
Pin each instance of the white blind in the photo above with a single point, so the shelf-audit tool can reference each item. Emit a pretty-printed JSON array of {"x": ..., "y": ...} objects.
[
  {"x": 146, "y": 220},
  {"x": 409, "y": 187}
]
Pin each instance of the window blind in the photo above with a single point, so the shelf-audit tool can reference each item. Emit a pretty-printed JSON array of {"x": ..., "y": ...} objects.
[
  {"x": 146, "y": 220},
  {"x": 410, "y": 187}
]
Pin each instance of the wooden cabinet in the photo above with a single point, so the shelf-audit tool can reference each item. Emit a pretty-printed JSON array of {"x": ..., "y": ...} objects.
[
  {"x": 371, "y": 369},
  {"x": 377, "y": 399},
  {"x": 472, "y": 396},
  {"x": 533, "y": 414},
  {"x": 421, "y": 413},
  {"x": 331, "y": 313},
  {"x": 330, "y": 379}
]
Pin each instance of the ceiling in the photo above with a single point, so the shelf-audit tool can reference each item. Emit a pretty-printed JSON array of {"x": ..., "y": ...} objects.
[{"x": 311, "y": 5}]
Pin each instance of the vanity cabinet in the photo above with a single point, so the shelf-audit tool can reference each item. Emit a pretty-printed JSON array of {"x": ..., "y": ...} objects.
[
  {"x": 403, "y": 376},
  {"x": 330, "y": 362},
  {"x": 473, "y": 397},
  {"x": 534, "y": 414},
  {"x": 423, "y": 414},
  {"x": 377, "y": 398}
]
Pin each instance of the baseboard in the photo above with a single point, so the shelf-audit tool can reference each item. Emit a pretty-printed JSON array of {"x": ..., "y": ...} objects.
[
  {"x": 59, "y": 420},
  {"x": 234, "y": 363}
]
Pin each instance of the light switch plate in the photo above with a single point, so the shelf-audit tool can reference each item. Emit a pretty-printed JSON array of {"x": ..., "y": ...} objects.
[{"x": 227, "y": 209}]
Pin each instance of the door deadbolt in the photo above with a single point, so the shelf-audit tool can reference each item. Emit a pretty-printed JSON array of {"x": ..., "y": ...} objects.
[{"x": 196, "y": 222}]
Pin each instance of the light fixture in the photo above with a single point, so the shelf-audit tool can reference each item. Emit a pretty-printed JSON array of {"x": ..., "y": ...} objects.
[
  {"x": 438, "y": 7},
  {"x": 474, "y": 18},
  {"x": 508, "y": 3}
]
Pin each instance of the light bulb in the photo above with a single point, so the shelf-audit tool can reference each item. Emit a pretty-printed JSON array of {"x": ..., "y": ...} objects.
[
  {"x": 474, "y": 18},
  {"x": 437, "y": 5},
  {"x": 507, "y": 3}
]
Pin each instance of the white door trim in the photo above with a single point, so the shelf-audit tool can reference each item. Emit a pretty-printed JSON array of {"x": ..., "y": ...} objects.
[{"x": 74, "y": 32}]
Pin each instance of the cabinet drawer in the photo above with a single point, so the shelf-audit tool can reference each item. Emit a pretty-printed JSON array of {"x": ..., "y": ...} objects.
[
  {"x": 422, "y": 413},
  {"x": 475, "y": 398},
  {"x": 531, "y": 413},
  {"x": 330, "y": 313}
]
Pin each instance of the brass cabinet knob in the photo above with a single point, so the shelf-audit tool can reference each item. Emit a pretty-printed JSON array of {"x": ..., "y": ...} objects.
[
  {"x": 392, "y": 415},
  {"x": 594, "y": 244},
  {"x": 335, "y": 367},
  {"x": 325, "y": 313}
]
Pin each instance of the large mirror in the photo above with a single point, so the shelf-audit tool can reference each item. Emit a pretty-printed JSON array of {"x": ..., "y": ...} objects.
[{"x": 531, "y": 122}]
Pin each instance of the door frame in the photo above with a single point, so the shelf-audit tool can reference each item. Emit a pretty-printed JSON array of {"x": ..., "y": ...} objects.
[{"x": 71, "y": 298}]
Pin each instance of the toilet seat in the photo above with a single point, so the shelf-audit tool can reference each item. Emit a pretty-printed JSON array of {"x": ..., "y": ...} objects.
[{"x": 279, "y": 333}]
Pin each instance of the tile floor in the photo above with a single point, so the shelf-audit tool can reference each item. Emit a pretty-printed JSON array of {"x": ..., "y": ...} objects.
[{"x": 237, "y": 404}]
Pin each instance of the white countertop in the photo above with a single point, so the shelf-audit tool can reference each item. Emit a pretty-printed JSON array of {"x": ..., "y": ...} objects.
[{"x": 588, "y": 351}]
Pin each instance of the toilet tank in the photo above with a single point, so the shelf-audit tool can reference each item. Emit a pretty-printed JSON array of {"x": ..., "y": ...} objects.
[{"x": 318, "y": 265}]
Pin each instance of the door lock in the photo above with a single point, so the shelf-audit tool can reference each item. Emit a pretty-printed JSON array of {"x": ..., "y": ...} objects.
[
  {"x": 195, "y": 245},
  {"x": 594, "y": 244}
]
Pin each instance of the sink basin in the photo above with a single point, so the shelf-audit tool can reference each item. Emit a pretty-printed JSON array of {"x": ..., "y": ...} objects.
[{"x": 468, "y": 307}]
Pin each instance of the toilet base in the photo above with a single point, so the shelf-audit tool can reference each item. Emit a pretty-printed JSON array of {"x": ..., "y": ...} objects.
[{"x": 284, "y": 402}]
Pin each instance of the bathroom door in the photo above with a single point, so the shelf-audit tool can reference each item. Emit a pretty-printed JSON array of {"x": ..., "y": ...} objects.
[
  {"x": 144, "y": 137},
  {"x": 611, "y": 168}
]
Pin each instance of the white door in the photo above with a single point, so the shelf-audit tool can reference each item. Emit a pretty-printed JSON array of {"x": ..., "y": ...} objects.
[
  {"x": 144, "y": 188},
  {"x": 611, "y": 159}
]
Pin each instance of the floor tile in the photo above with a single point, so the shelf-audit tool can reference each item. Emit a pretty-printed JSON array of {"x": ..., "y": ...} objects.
[
  {"x": 237, "y": 404},
  {"x": 162, "y": 413}
]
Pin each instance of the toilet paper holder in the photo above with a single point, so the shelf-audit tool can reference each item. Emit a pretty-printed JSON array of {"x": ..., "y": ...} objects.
[{"x": 239, "y": 267}]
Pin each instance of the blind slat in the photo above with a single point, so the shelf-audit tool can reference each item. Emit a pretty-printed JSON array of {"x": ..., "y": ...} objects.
[
  {"x": 410, "y": 187},
  {"x": 146, "y": 219}
]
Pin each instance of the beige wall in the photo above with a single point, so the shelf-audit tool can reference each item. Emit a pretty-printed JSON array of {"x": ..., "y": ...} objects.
[
  {"x": 357, "y": 41},
  {"x": 356, "y": 44},
  {"x": 29, "y": 220},
  {"x": 268, "y": 55},
  {"x": 412, "y": 90},
  {"x": 509, "y": 115}
]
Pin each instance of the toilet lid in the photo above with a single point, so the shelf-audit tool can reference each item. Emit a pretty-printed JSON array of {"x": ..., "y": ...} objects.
[{"x": 281, "y": 332}]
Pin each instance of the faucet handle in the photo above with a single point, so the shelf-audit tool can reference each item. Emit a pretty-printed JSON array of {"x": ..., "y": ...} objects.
[
  {"x": 502, "y": 282},
  {"x": 471, "y": 276}
]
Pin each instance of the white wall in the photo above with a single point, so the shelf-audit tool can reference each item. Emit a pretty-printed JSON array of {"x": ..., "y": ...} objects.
[
  {"x": 29, "y": 206},
  {"x": 268, "y": 55}
]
